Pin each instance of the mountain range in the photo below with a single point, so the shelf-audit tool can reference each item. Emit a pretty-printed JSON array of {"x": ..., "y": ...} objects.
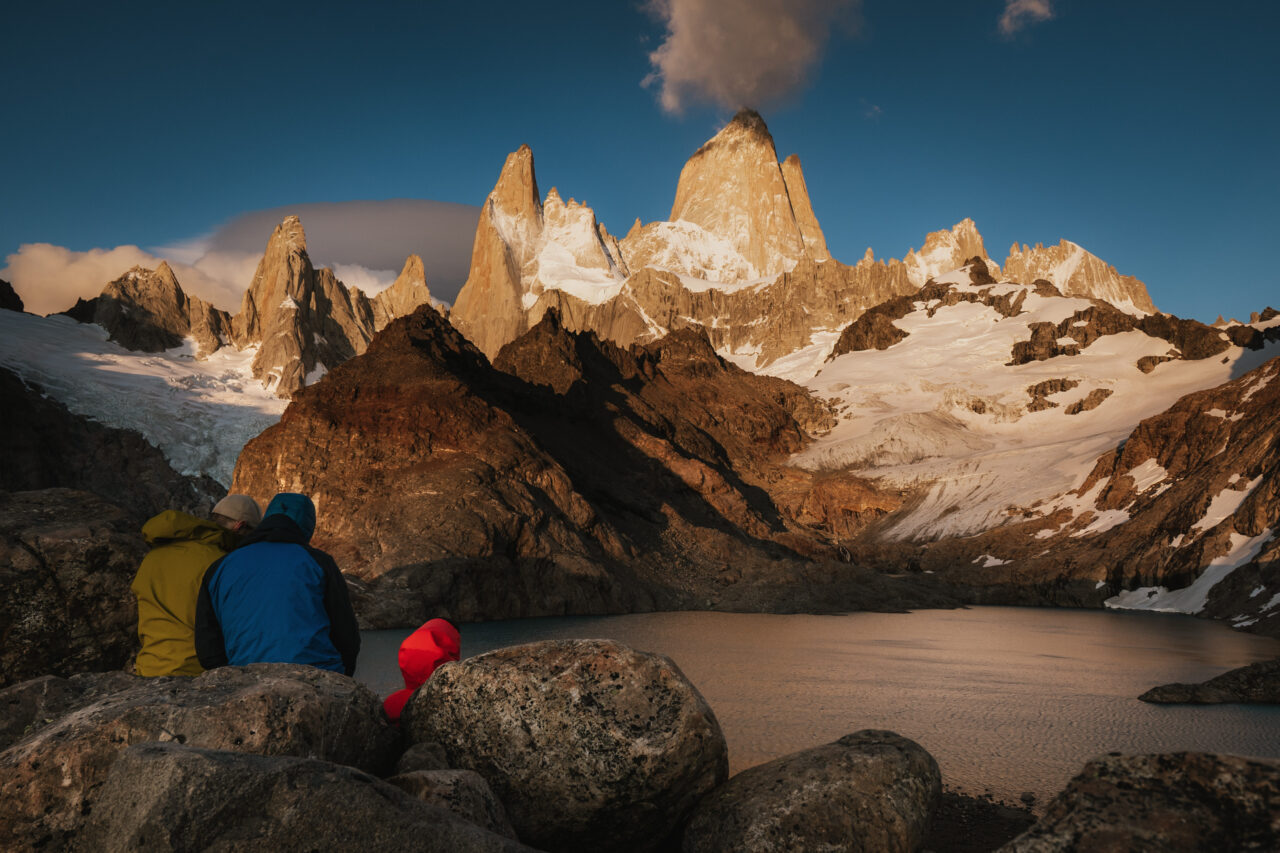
[{"x": 712, "y": 412}]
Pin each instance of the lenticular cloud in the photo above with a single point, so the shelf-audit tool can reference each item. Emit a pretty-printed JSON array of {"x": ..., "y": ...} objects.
[{"x": 737, "y": 53}]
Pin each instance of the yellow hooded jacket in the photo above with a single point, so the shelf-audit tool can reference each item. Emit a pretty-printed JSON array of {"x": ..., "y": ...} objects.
[{"x": 167, "y": 585}]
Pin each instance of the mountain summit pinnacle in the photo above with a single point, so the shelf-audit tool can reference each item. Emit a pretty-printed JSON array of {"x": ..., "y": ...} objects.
[{"x": 733, "y": 188}]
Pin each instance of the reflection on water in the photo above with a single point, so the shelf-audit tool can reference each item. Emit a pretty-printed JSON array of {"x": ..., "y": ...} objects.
[{"x": 1006, "y": 699}]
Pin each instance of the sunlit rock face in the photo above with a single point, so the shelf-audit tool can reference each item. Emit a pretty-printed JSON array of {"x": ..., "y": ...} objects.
[
  {"x": 524, "y": 247},
  {"x": 1076, "y": 272},
  {"x": 742, "y": 256},
  {"x": 147, "y": 310},
  {"x": 733, "y": 188},
  {"x": 404, "y": 295},
  {"x": 302, "y": 320}
]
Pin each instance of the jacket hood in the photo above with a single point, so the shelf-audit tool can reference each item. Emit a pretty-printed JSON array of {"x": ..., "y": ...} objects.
[
  {"x": 422, "y": 651},
  {"x": 425, "y": 649},
  {"x": 277, "y": 528},
  {"x": 296, "y": 507},
  {"x": 175, "y": 526}
]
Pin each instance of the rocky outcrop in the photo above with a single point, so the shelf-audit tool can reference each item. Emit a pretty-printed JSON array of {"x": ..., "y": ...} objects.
[
  {"x": 871, "y": 790},
  {"x": 147, "y": 310},
  {"x": 50, "y": 780},
  {"x": 46, "y": 446},
  {"x": 523, "y": 247},
  {"x": 591, "y": 745},
  {"x": 1076, "y": 272},
  {"x": 9, "y": 299},
  {"x": 167, "y": 796},
  {"x": 815, "y": 245},
  {"x": 403, "y": 297},
  {"x": 303, "y": 320},
  {"x": 66, "y": 560},
  {"x": 1257, "y": 683},
  {"x": 1090, "y": 401},
  {"x": 1177, "y": 802}
]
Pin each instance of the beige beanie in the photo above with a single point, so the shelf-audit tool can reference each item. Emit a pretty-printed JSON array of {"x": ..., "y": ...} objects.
[{"x": 239, "y": 508}]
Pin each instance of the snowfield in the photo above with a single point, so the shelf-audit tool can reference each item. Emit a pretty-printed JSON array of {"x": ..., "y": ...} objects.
[
  {"x": 199, "y": 413},
  {"x": 942, "y": 411}
]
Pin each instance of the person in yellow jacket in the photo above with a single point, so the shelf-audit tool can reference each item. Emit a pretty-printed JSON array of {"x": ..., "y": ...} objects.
[{"x": 167, "y": 584}]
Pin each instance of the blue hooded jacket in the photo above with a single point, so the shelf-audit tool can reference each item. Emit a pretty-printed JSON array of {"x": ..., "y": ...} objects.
[{"x": 277, "y": 600}]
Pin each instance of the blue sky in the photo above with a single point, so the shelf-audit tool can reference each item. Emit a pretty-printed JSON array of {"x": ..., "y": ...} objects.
[{"x": 1146, "y": 131}]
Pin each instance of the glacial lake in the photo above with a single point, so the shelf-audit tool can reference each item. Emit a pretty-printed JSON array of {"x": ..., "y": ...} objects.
[{"x": 1007, "y": 699}]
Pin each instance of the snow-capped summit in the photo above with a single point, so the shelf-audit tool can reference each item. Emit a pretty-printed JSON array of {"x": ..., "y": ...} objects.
[
  {"x": 944, "y": 251},
  {"x": 1076, "y": 272},
  {"x": 735, "y": 190}
]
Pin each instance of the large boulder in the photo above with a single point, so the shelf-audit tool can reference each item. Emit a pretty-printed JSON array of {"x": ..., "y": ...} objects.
[
  {"x": 1169, "y": 802},
  {"x": 49, "y": 779},
  {"x": 162, "y": 796},
  {"x": 591, "y": 745},
  {"x": 66, "y": 560},
  {"x": 868, "y": 791}
]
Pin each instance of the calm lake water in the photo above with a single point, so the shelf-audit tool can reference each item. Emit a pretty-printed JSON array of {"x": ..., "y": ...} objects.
[{"x": 1006, "y": 699}]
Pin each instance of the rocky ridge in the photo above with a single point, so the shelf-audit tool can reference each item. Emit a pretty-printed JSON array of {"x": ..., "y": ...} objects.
[
  {"x": 9, "y": 299},
  {"x": 298, "y": 320},
  {"x": 742, "y": 255},
  {"x": 577, "y": 477}
]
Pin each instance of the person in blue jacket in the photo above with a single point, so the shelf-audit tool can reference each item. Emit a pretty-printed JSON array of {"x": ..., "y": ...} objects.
[{"x": 275, "y": 599}]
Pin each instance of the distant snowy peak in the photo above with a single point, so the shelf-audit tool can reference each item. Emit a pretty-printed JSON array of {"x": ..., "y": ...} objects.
[
  {"x": 1076, "y": 272},
  {"x": 734, "y": 188},
  {"x": 944, "y": 251}
]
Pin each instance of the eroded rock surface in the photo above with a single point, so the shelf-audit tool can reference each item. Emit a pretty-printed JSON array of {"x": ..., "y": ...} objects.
[
  {"x": 591, "y": 745},
  {"x": 49, "y": 780},
  {"x": 869, "y": 791},
  {"x": 66, "y": 561},
  {"x": 463, "y": 792},
  {"x": 166, "y": 796},
  {"x": 1172, "y": 802}
]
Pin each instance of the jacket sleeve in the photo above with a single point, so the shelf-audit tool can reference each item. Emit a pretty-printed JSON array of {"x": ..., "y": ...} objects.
[
  {"x": 211, "y": 648},
  {"x": 344, "y": 631}
]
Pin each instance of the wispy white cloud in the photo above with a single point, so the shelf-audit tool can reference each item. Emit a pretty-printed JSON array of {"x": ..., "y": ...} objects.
[
  {"x": 739, "y": 53},
  {"x": 1019, "y": 14}
]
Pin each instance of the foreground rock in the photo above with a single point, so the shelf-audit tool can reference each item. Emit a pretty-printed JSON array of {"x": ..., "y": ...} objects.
[
  {"x": 66, "y": 560},
  {"x": 163, "y": 796},
  {"x": 31, "y": 705},
  {"x": 1257, "y": 683},
  {"x": 49, "y": 780},
  {"x": 1173, "y": 802},
  {"x": 463, "y": 792},
  {"x": 870, "y": 791},
  {"x": 590, "y": 745}
]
